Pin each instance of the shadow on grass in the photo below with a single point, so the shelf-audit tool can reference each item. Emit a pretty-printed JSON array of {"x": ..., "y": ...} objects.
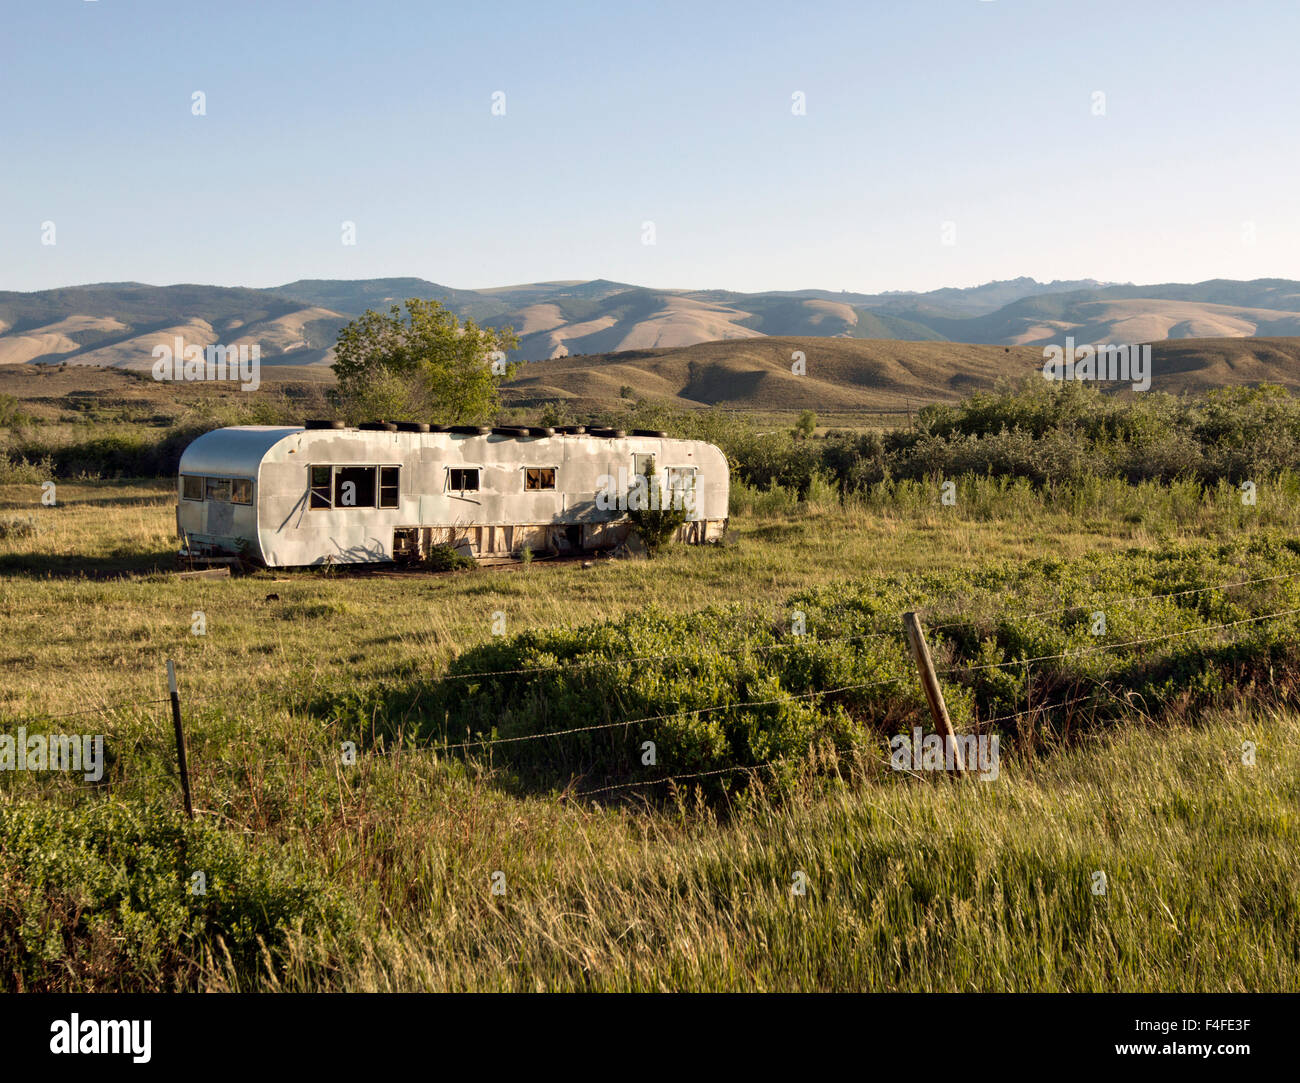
[
  {"x": 112, "y": 566},
  {"x": 35, "y": 507},
  {"x": 428, "y": 713}
]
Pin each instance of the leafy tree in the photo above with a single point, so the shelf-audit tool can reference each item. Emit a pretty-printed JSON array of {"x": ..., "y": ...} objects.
[
  {"x": 556, "y": 413},
  {"x": 806, "y": 425},
  {"x": 11, "y": 415},
  {"x": 424, "y": 364}
]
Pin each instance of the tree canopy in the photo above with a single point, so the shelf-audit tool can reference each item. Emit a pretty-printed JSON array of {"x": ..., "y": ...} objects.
[{"x": 421, "y": 364}]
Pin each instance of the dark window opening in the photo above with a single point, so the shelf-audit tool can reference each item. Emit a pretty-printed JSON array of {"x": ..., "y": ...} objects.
[
  {"x": 354, "y": 486},
  {"x": 463, "y": 481},
  {"x": 320, "y": 487},
  {"x": 389, "y": 484},
  {"x": 406, "y": 544},
  {"x": 539, "y": 477},
  {"x": 241, "y": 491},
  {"x": 191, "y": 487}
]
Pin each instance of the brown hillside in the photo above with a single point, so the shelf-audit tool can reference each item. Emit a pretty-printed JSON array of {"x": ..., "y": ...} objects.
[
  {"x": 842, "y": 374},
  {"x": 845, "y": 375}
]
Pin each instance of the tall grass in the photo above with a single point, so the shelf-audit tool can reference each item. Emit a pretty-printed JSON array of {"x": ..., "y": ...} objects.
[
  {"x": 910, "y": 885},
  {"x": 378, "y": 876}
]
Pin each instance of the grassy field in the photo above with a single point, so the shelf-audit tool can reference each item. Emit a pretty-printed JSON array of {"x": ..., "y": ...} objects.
[
  {"x": 103, "y": 560},
  {"x": 380, "y": 875}
]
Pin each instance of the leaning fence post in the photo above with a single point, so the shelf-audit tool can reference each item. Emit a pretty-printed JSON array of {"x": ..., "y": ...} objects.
[
  {"x": 180, "y": 736},
  {"x": 933, "y": 693}
]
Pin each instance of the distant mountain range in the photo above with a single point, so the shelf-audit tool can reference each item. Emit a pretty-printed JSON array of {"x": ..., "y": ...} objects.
[{"x": 118, "y": 323}]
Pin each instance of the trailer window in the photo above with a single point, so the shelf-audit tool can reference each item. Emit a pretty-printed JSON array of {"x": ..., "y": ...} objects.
[
  {"x": 389, "y": 484},
  {"x": 321, "y": 487},
  {"x": 191, "y": 487},
  {"x": 643, "y": 464},
  {"x": 354, "y": 486},
  {"x": 539, "y": 477},
  {"x": 241, "y": 491},
  {"x": 681, "y": 477},
  {"x": 217, "y": 489},
  {"x": 463, "y": 481}
]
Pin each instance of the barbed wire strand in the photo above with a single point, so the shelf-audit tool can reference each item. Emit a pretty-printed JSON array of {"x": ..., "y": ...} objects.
[
  {"x": 492, "y": 742},
  {"x": 798, "y": 641},
  {"x": 1126, "y": 600},
  {"x": 794, "y": 642},
  {"x": 1101, "y": 647},
  {"x": 778, "y": 762}
]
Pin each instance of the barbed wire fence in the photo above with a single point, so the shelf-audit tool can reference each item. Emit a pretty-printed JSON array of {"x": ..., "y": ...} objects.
[{"x": 158, "y": 768}]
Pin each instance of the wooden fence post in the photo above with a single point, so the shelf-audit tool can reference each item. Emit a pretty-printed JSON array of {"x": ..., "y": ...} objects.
[
  {"x": 933, "y": 693},
  {"x": 180, "y": 736}
]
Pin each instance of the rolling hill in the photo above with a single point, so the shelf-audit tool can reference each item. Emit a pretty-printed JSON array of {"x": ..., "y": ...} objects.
[
  {"x": 844, "y": 377},
  {"x": 116, "y": 325},
  {"x": 119, "y": 324},
  {"x": 848, "y": 376}
]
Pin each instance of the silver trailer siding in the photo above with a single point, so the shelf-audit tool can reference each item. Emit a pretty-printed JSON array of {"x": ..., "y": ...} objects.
[{"x": 281, "y": 526}]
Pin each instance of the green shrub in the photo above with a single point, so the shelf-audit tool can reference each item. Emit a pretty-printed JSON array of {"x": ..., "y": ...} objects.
[
  {"x": 11, "y": 413},
  {"x": 1047, "y": 433},
  {"x": 17, "y": 470},
  {"x": 747, "y": 499},
  {"x": 656, "y": 526},
  {"x": 113, "y": 455},
  {"x": 721, "y": 688},
  {"x": 445, "y": 558},
  {"x": 100, "y": 897}
]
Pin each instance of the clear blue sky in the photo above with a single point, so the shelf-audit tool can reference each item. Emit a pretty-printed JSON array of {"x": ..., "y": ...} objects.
[{"x": 975, "y": 112}]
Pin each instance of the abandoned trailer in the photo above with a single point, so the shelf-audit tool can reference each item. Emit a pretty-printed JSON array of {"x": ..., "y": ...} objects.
[{"x": 383, "y": 491}]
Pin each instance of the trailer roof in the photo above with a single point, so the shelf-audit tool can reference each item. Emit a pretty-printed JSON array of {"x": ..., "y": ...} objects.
[{"x": 236, "y": 451}]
